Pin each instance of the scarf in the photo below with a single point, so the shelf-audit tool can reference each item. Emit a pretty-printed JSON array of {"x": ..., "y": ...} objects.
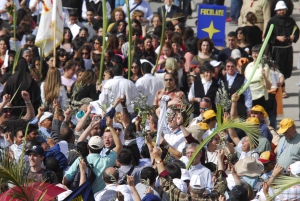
[{"x": 162, "y": 120}]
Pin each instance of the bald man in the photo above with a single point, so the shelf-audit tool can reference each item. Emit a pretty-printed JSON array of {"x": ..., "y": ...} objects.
[{"x": 110, "y": 176}]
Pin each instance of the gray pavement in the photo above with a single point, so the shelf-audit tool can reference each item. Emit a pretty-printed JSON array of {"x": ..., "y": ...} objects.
[{"x": 291, "y": 105}]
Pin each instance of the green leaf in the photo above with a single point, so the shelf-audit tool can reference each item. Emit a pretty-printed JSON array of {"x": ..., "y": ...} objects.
[
  {"x": 251, "y": 130},
  {"x": 282, "y": 183},
  {"x": 16, "y": 59}
]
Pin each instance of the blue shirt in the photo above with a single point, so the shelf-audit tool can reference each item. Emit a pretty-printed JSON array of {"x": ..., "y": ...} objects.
[
  {"x": 266, "y": 132},
  {"x": 99, "y": 163}
]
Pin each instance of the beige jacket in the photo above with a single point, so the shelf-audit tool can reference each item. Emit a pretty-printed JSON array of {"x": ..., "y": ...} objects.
[{"x": 262, "y": 10}]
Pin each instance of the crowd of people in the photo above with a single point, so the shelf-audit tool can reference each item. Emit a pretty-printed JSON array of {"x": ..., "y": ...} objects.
[{"x": 136, "y": 135}]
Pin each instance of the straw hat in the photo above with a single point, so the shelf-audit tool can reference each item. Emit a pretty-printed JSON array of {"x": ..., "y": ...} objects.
[{"x": 249, "y": 166}]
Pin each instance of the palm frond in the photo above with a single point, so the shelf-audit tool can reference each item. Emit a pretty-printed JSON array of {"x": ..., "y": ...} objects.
[
  {"x": 16, "y": 59},
  {"x": 222, "y": 97},
  {"x": 129, "y": 38},
  {"x": 282, "y": 183},
  {"x": 15, "y": 93},
  {"x": 219, "y": 114},
  {"x": 251, "y": 130}
]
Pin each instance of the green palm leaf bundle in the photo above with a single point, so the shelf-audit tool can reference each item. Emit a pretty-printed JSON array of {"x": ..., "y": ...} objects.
[
  {"x": 130, "y": 53},
  {"x": 281, "y": 183},
  {"x": 251, "y": 130}
]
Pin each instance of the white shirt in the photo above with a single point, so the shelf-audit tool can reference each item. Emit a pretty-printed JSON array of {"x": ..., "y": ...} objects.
[
  {"x": 115, "y": 88},
  {"x": 4, "y": 16},
  {"x": 62, "y": 97},
  {"x": 84, "y": 9},
  {"x": 144, "y": 6},
  {"x": 38, "y": 9},
  {"x": 109, "y": 193},
  {"x": 205, "y": 173},
  {"x": 168, "y": 8},
  {"x": 17, "y": 150},
  {"x": 176, "y": 140},
  {"x": 148, "y": 85}
]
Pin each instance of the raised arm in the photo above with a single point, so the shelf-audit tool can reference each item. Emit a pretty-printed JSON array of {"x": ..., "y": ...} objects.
[
  {"x": 119, "y": 146},
  {"x": 29, "y": 108},
  {"x": 82, "y": 122},
  {"x": 6, "y": 99},
  {"x": 87, "y": 131}
]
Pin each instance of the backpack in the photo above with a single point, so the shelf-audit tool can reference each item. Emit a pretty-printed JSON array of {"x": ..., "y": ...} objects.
[{"x": 89, "y": 173}]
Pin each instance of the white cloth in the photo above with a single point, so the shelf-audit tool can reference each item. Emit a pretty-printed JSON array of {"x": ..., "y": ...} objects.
[
  {"x": 205, "y": 173},
  {"x": 4, "y": 16},
  {"x": 116, "y": 87},
  {"x": 17, "y": 150},
  {"x": 207, "y": 133},
  {"x": 38, "y": 9},
  {"x": 84, "y": 9},
  {"x": 211, "y": 157},
  {"x": 144, "y": 6},
  {"x": 62, "y": 98},
  {"x": 181, "y": 185},
  {"x": 162, "y": 123},
  {"x": 109, "y": 193},
  {"x": 168, "y": 8},
  {"x": 149, "y": 85}
]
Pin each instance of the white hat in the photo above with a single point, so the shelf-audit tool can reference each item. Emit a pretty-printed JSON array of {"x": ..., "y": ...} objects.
[
  {"x": 185, "y": 175},
  {"x": 197, "y": 182},
  {"x": 96, "y": 142},
  {"x": 46, "y": 115},
  {"x": 295, "y": 168},
  {"x": 215, "y": 63},
  {"x": 180, "y": 184},
  {"x": 249, "y": 166},
  {"x": 280, "y": 5},
  {"x": 236, "y": 53}
]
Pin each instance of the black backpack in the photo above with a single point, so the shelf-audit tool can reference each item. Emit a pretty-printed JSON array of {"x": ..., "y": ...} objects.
[{"x": 89, "y": 173}]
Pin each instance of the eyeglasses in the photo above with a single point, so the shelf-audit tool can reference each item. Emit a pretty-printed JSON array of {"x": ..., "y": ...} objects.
[
  {"x": 84, "y": 53},
  {"x": 170, "y": 80},
  {"x": 118, "y": 129}
]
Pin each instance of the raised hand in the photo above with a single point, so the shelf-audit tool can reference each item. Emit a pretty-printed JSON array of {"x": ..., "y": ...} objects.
[{"x": 25, "y": 95}]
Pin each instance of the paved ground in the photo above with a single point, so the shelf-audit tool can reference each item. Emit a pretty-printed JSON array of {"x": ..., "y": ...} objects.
[{"x": 291, "y": 105}]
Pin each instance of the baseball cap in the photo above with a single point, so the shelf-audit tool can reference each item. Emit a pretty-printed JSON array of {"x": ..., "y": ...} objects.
[
  {"x": 208, "y": 114},
  {"x": 197, "y": 182},
  {"x": 203, "y": 126},
  {"x": 196, "y": 132},
  {"x": 46, "y": 115},
  {"x": 36, "y": 149},
  {"x": 259, "y": 108},
  {"x": 215, "y": 63},
  {"x": 266, "y": 157},
  {"x": 295, "y": 168},
  {"x": 252, "y": 120},
  {"x": 96, "y": 142},
  {"x": 285, "y": 124},
  {"x": 236, "y": 53}
]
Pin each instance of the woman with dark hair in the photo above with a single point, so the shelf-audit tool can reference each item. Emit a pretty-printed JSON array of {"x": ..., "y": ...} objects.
[
  {"x": 87, "y": 85},
  {"x": 121, "y": 41},
  {"x": 205, "y": 48},
  {"x": 191, "y": 51},
  {"x": 85, "y": 52},
  {"x": 61, "y": 58},
  {"x": 243, "y": 39},
  {"x": 148, "y": 48},
  {"x": 96, "y": 54},
  {"x": 136, "y": 24},
  {"x": 113, "y": 44},
  {"x": 119, "y": 28},
  {"x": 180, "y": 28},
  {"x": 4, "y": 46},
  {"x": 135, "y": 70},
  {"x": 83, "y": 33},
  {"x": 22, "y": 81},
  {"x": 37, "y": 65},
  {"x": 252, "y": 31}
]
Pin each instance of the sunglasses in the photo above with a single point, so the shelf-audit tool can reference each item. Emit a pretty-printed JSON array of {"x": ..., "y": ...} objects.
[
  {"x": 84, "y": 53},
  {"x": 118, "y": 129},
  {"x": 204, "y": 100},
  {"x": 170, "y": 80},
  {"x": 206, "y": 108},
  {"x": 6, "y": 110},
  {"x": 63, "y": 55}
]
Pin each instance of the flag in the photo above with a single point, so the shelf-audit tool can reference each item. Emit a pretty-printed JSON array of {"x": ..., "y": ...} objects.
[
  {"x": 82, "y": 193},
  {"x": 51, "y": 19},
  {"x": 162, "y": 125},
  {"x": 211, "y": 23}
]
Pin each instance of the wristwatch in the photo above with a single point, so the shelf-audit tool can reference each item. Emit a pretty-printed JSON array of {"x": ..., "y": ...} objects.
[{"x": 167, "y": 147}]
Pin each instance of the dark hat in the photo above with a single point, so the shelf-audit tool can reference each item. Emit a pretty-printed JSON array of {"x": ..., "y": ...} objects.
[{"x": 36, "y": 149}]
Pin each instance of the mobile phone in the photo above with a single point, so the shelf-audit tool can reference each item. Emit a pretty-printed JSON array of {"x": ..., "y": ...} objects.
[
  {"x": 285, "y": 172},
  {"x": 122, "y": 96}
]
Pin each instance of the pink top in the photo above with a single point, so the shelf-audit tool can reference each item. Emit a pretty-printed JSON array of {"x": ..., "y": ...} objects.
[
  {"x": 188, "y": 58},
  {"x": 67, "y": 82}
]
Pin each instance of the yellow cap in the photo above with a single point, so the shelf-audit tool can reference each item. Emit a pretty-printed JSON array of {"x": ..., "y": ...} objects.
[
  {"x": 253, "y": 120},
  {"x": 203, "y": 125},
  {"x": 285, "y": 124},
  {"x": 208, "y": 114},
  {"x": 258, "y": 108}
]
